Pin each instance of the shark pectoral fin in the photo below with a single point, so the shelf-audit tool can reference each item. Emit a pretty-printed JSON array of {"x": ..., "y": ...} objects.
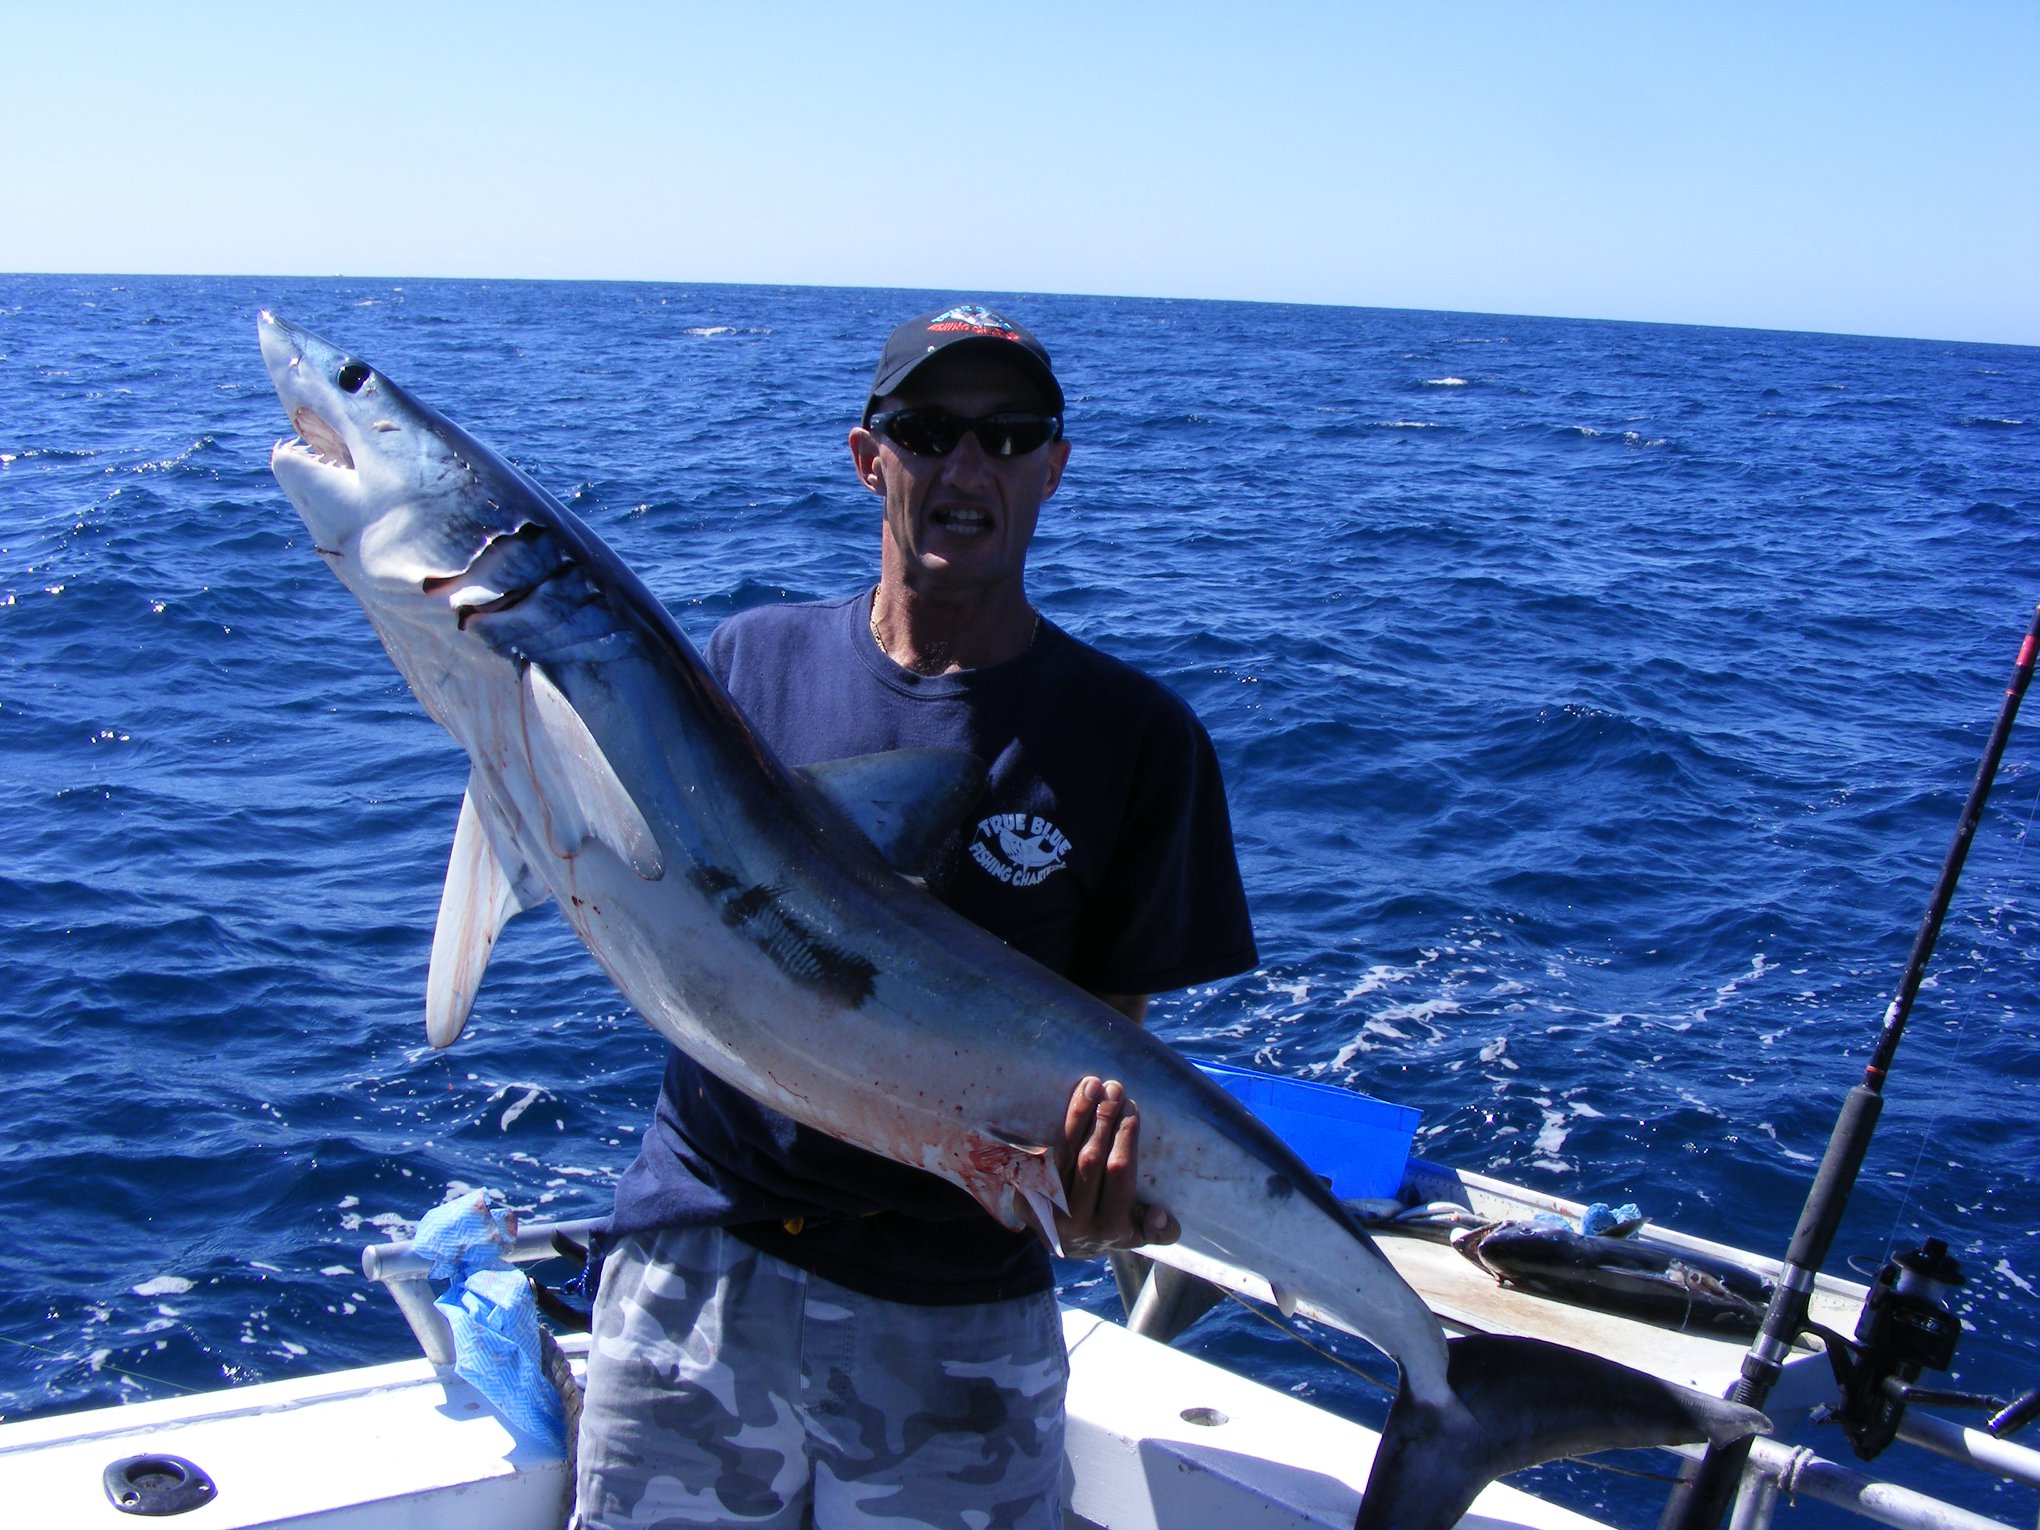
[
  {"x": 905, "y": 801},
  {"x": 584, "y": 798},
  {"x": 479, "y": 898},
  {"x": 1285, "y": 1300},
  {"x": 1015, "y": 1179}
]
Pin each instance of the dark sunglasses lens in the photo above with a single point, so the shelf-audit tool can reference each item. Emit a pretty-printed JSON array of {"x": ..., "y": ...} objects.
[
  {"x": 1014, "y": 435},
  {"x": 924, "y": 432}
]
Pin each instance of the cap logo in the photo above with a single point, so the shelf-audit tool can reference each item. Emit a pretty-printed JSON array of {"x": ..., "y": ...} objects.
[{"x": 972, "y": 319}]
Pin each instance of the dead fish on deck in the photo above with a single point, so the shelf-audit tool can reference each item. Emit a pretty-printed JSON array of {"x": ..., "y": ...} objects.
[{"x": 1633, "y": 1276}]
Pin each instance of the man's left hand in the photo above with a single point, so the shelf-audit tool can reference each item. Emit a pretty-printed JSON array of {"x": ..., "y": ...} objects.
[{"x": 1098, "y": 1160}]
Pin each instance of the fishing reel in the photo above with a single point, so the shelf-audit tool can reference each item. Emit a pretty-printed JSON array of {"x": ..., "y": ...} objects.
[{"x": 1908, "y": 1326}]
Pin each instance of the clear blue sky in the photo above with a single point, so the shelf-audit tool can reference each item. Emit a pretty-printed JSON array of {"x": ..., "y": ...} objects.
[{"x": 1863, "y": 168}]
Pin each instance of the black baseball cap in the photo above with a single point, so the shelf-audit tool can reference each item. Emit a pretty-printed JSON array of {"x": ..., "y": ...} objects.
[{"x": 965, "y": 324}]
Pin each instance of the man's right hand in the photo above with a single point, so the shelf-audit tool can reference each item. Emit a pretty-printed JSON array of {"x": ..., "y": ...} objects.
[{"x": 1098, "y": 1158}]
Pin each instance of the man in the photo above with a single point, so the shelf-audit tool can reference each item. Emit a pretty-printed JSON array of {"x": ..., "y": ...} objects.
[{"x": 793, "y": 1331}]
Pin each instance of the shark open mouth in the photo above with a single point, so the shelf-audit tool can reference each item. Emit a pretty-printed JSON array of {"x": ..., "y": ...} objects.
[{"x": 320, "y": 439}]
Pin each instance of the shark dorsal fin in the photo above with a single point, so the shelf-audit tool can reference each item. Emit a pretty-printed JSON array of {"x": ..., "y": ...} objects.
[
  {"x": 481, "y": 896},
  {"x": 584, "y": 799},
  {"x": 905, "y": 801}
]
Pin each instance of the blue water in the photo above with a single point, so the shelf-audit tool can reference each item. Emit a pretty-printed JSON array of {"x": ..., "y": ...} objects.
[{"x": 1596, "y": 703}]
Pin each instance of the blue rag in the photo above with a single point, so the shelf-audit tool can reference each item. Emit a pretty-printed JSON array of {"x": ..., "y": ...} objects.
[
  {"x": 1604, "y": 1221},
  {"x": 463, "y": 1236},
  {"x": 495, "y": 1350},
  {"x": 493, "y": 1315}
]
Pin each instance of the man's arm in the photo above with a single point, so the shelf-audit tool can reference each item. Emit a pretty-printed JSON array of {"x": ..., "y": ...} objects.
[{"x": 1098, "y": 1157}]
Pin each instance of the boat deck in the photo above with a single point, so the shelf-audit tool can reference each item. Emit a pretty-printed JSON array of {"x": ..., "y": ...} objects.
[
  {"x": 385, "y": 1447},
  {"x": 1159, "y": 1440}
]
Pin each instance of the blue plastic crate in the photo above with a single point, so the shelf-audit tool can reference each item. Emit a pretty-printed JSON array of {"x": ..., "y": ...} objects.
[{"x": 1359, "y": 1143}]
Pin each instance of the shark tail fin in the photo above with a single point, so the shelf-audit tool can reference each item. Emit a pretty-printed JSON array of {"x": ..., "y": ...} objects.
[{"x": 1517, "y": 1402}]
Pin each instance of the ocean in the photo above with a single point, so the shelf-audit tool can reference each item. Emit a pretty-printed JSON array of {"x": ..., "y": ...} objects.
[{"x": 1596, "y": 703}]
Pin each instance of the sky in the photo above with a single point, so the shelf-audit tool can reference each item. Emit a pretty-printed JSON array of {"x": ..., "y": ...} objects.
[{"x": 1856, "y": 168}]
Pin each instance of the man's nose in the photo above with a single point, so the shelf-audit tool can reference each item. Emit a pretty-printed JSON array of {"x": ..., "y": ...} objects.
[{"x": 968, "y": 459}]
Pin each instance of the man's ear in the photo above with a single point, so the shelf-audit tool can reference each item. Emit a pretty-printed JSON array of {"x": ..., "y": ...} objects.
[
  {"x": 1058, "y": 459},
  {"x": 864, "y": 455}
]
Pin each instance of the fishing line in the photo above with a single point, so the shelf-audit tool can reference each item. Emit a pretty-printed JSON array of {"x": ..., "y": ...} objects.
[
  {"x": 1622, "y": 1471},
  {"x": 1963, "y": 1041},
  {"x": 1317, "y": 1349},
  {"x": 57, "y": 1354},
  {"x": 1702, "y": 1501}
]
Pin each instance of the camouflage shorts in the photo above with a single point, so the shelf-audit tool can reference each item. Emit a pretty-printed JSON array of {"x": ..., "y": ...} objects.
[{"x": 727, "y": 1387}]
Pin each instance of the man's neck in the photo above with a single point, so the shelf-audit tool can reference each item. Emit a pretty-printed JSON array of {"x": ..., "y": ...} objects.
[{"x": 933, "y": 637}]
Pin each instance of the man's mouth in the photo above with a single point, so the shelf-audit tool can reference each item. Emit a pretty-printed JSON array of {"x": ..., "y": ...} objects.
[{"x": 961, "y": 520}]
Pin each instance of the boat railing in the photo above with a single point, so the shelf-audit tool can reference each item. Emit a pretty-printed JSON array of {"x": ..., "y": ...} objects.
[
  {"x": 408, "y": 1276},
  {"x": 1775, "y": 1468}
]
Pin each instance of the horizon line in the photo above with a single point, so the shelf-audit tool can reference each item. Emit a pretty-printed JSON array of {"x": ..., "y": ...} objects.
[{"x": 1020, "y": 292}]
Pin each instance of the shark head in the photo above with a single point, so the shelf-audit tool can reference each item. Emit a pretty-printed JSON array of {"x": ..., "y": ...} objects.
[
  {"x": 394, "y": 494},
  {"x": 443, "y": 542}
]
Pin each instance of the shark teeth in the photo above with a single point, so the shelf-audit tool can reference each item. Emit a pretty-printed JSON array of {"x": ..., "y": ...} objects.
[{"x": 321, "y": 439}]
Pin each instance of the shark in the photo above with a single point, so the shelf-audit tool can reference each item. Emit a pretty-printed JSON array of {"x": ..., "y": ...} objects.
[{"x": 769, "y": 922}]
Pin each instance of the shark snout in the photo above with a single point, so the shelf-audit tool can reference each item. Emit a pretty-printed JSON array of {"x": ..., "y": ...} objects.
[{"x": 280, "y": 345}]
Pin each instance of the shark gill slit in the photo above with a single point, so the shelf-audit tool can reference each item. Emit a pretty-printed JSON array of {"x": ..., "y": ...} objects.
[{"x": 494, "y": 543}]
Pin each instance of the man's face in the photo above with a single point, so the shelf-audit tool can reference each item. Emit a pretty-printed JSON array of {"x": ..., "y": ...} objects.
[{"x": 958, "y": 527}]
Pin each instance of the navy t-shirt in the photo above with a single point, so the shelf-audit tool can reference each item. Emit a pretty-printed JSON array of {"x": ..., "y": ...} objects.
[{"x": 1102, "y": 849}]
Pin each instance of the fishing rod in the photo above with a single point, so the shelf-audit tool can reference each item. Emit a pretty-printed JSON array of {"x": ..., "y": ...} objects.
[{"x": 1699, "y": 1502}]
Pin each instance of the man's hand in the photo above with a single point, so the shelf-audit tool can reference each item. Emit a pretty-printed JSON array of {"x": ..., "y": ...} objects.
[{"x": 1097, "y": 1157}]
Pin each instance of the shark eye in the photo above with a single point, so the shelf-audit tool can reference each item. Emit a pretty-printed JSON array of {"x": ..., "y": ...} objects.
[{"x": 352, "y": 375}]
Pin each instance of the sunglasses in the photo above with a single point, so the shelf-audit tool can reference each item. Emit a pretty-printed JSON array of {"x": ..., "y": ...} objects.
[{"x": 935, "y": 432}]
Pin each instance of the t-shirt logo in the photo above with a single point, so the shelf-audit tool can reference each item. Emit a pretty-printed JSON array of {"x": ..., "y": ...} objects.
[{"x": 1020, "y": 849}]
